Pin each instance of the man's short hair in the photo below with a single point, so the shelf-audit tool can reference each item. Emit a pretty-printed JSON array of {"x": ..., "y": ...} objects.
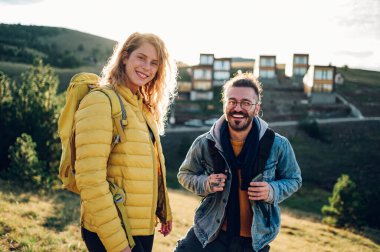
[{"x": 244, "y": 80}]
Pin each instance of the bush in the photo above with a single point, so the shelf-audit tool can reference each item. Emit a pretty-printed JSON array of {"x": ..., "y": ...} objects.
[
  {"x": 25, "y": 166},
  {"x": 30, "y": 106},
  {"x": 344, "y": 209}
]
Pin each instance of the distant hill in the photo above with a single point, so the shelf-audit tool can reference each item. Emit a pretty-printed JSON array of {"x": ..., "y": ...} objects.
[{"x": 59, "y": 47}]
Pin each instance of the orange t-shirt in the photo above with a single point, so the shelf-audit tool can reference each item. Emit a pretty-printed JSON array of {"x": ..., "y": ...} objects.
[{"x": 246, "y": 213}]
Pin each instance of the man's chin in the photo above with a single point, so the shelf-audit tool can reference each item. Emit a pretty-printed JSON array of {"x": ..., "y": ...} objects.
[
  {"x": 238, "y": 127},
  {"x": 239, "y": 124}
]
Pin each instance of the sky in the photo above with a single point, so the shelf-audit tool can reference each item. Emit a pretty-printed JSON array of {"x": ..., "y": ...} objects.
[{"x": 337, "y": 32}]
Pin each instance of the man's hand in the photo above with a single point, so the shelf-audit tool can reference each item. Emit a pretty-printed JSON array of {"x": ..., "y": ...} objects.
[
  {"x": 216, "y": 182},
  {"x": 127, "y": 249},
  {"x": 258, "y": 191},
  {"x": 166, "y": 228}
]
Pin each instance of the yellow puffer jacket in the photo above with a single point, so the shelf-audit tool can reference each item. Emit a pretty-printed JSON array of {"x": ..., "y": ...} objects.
[{"x": 133, "y": 166}]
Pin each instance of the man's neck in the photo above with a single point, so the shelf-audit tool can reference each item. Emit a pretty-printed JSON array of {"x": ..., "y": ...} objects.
[{"x": 239, "y": 135}]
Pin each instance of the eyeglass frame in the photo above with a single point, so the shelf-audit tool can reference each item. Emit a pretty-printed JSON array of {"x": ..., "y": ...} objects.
[{"x": 235, "y": 103}]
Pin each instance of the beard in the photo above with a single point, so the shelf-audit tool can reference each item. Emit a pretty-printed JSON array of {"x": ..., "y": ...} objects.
[{"x": 241, "y": 123}]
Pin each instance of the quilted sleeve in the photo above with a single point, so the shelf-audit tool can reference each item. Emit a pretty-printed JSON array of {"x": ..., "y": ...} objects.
[{"x": 93, "y": 137}]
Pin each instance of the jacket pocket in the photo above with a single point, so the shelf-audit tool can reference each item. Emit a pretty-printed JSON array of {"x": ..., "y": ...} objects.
[
  {"x": 261, "y": 221},
  {"x": 205, "y": 206}
]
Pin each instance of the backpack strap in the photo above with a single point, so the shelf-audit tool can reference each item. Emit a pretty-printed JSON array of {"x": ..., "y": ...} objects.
[
  {"x": 119, "y": 199},
  {"x": 119, "y": 114},
  {"x": 119, "y": 117},
  {"x": 218, "y": 162},
  {"x": 265, "y": 147}
]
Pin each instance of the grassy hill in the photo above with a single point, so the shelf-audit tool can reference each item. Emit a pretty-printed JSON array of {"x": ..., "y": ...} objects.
[
  {"x": 59, "y": 47},
  {"x": 13, "y": 70},
  {"x": 50, "y": 222},
  {"x": 361, "y": 88},
  {"x": 67, "y": 51}
]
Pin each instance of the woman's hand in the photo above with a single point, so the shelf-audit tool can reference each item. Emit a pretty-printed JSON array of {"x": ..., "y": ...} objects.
[
  {"x": 127, "y": 249},
  {"x": 166, "y": 228}
]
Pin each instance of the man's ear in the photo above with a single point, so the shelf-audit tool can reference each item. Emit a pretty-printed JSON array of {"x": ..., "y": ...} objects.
[{"x": 257, "y": 109}]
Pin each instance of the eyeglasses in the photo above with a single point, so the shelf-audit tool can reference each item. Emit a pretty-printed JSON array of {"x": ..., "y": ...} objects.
[{"x": 243, "y": 104}]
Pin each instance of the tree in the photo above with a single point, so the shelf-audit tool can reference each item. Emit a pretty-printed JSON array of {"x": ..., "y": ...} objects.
[
  {"x": 344, "y": 209},
  {"x": 80, "y": 48},
  {"x": 5, "y": 118},
  {"x": 33, "y": 111},
  {"x": 25, "y": 166}
]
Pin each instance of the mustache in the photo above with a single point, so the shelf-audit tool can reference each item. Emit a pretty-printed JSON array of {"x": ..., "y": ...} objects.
[{"x": 237, "y": 113}]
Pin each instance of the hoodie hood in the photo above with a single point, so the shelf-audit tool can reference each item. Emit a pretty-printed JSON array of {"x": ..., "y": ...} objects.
[{"x": 215, "y": 129}]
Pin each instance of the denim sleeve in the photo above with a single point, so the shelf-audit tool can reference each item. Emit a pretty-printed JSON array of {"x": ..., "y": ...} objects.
[
  {"x": 191, "y": 174},
  {"x": 288, "y": 173}
]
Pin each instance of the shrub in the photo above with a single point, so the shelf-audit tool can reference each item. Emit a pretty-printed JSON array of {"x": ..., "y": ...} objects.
[
  {"x": 30, "y": 106},
  {"x": 25, "y": 166},
  {"x": 344, "y": 207}
]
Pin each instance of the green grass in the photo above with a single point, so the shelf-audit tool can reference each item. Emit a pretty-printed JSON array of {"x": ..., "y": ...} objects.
[
  {"x": 38, "y": 220},
  {"x": 348, "y": 148},
  {"x": 361, "y": 76},
  {"x": 92, "y": 44},
  {"x": 25, "y": 225},
  {"x": 14, "y": 70},
  {"x": 362, "y": 88},
  {"x": 175, "y": 147},
  {"x": 308, "y": 199}
]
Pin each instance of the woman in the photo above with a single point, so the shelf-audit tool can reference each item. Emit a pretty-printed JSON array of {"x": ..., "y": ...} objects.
[{"x": 143, "y": 75}]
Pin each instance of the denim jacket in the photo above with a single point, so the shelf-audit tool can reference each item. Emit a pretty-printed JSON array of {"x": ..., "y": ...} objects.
[{"x": 281, "y": 172}]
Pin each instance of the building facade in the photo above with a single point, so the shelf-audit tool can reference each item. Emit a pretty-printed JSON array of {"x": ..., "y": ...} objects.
[
  {"x": 300, "y": 67},
  {"x": 202, "y": 78},
  {"x": 221, "y": 71},
  {"x": 319, "y": 84},
  {"x": 267, "y": 69}
]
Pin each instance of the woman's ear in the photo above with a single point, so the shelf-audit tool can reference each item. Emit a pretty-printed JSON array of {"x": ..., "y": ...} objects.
[{"x": 125, "y": 58}]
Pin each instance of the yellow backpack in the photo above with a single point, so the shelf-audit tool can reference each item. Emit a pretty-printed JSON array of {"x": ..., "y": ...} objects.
[{"x": 80, "y": 85}]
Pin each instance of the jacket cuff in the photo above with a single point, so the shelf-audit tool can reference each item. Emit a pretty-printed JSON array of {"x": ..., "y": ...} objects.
[
  {"x": 270, "y": 198},
  {"x": 207, "y": 186}
]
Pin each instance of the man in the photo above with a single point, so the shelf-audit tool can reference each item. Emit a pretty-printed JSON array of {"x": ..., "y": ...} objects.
[{"x": 237, "y": 214}]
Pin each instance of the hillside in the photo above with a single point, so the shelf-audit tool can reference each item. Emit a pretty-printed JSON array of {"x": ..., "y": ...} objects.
[
  {"x": 21, "y": 43},
  {"x": 50, "y": 222},
  {"x": 361, "y": 88}
]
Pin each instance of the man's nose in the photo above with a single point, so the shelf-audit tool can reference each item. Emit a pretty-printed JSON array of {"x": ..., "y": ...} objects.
[{"x": 238, "y": 107}]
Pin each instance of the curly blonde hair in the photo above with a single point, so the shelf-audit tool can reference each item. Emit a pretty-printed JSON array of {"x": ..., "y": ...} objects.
[{"x": 160, "y": 92}]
